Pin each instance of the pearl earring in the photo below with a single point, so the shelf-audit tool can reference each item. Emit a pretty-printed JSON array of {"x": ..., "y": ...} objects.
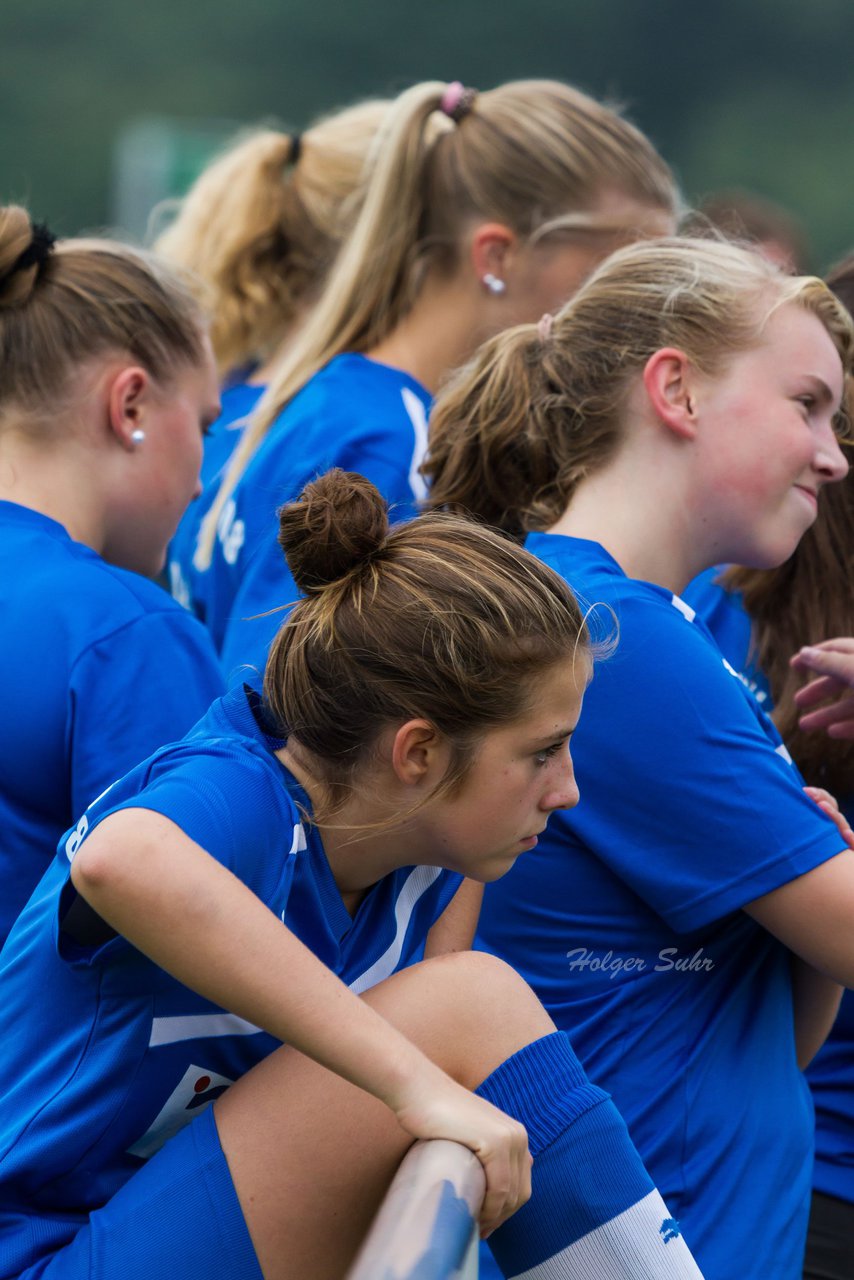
[
  {"x": 137, "y": 436},
  {"x": 493, "y": 284}
]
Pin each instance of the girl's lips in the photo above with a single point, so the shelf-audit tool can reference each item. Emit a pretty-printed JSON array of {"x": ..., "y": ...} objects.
[{"x": 809, "y": 494}]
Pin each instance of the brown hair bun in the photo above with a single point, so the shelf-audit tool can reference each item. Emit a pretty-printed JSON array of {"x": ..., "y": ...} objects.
[
  {"x": 16, "y": 234},
  {"x": 339, "y": 521}
]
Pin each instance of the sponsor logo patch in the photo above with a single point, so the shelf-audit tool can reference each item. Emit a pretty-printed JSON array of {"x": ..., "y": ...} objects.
[{"x": 195, "y": 1091}]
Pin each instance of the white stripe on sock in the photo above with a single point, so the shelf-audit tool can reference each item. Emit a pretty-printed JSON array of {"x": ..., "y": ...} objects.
[{"x": 631, "y": 1246}]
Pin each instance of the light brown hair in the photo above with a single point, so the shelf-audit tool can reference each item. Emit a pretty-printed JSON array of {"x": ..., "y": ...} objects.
[
  {"x": 85, "y": 298},
  {"x": 519, "y": 427},
  {"x": 437, "y": 618}
]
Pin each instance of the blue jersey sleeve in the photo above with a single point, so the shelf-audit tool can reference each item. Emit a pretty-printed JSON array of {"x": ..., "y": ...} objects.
[
  {"x": 228, "y": 800},
  {"x": 687, "y": 793},
  {"x": 134, "y": 690}
]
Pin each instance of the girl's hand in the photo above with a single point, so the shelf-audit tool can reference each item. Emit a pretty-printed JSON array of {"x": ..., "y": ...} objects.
[
  {"x": 833, "y": 663},
  {"x": 441, "y": 1108},
  {"x": 829, "y": 805}
]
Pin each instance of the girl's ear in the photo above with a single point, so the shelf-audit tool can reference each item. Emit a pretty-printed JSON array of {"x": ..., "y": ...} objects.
[
  {"x": 417, "y": 752},
  {"x": 128, "y": 394},
  {"x": 491, "y": 247},
  {"x": 668, "y": 377}
]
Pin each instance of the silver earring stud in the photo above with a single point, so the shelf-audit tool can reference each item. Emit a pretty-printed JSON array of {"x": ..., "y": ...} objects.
[
  {"x": 493, "y": 284},
  {"x": 137, "y": 436}
]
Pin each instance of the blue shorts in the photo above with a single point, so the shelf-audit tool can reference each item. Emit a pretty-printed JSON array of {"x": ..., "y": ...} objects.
[{"x": 178, "y": 1216}]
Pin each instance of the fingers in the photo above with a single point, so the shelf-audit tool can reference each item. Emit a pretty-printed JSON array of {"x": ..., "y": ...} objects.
[
  {"x": 828, "y": 701},
  {"x": 837, "y": 719},
  {"x": 446, "y": 1109},
  {"x": 827, "y": 803},
  {"x": 508, "y": 1178},
  {"x": 818, "y": 691},
  {"x": 838, "y": 644},
  {"x": 832, "y": 658}
]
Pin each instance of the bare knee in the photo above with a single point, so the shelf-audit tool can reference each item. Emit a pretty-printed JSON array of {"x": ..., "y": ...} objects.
[{"x": 467, "y": 1010}]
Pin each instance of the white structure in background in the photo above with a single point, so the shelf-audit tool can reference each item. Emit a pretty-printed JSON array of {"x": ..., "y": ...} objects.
[{"x": 155, "y": 159}]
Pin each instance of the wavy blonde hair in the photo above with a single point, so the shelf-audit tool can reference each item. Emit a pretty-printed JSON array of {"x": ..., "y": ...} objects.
[
  {"x": 518, "y": 428},
  {"x": 261, "y": 225},
  {"x": 537, "y": 155}
]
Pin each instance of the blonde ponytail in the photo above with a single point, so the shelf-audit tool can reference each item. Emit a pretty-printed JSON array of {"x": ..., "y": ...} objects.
[
  {"x": 366, "y": 293},
  {"x": 536, "y": 155},
  {"x": 262, "y": 223}
]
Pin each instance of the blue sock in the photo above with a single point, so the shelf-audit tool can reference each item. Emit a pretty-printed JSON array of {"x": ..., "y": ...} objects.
[{"x": 594, "y": 1213}]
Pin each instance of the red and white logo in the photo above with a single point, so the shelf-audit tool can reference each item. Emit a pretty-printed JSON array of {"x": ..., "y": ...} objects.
[{"x": 195, "y": 1091}]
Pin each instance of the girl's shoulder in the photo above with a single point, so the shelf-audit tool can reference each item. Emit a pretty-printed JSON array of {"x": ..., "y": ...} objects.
[
  {"x": 627, "y": 614},
  {"x": 56, "y": 575},
  {"x": 221, "y": 784},
  {"x": 354, "y": 390}
]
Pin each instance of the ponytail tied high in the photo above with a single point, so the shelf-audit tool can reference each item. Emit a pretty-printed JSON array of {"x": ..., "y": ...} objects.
[{"x": 457, "y": 101}]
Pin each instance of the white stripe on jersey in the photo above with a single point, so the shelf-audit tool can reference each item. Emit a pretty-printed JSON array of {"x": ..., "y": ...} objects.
[
  {"x": 639, "y": 1244},
  {"x": 197, "y": 1026},
  {"x": 418, "y": 418},
  {"x": 417, "y": 883},
  {"x": 684, "y": 609}
]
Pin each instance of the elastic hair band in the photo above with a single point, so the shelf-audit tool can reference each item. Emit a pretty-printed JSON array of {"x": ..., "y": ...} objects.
[
  {"x": 296, "y": 148},
  {"x": 36, "y": 252},
  {"x": 544, "y": 326},
  {"x": 457, "y": 101}
]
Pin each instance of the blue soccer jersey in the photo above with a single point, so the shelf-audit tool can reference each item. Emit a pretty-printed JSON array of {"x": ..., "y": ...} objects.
[
  {"x": 626, "y": 922},
  {"x": 132, "y": 1055},
  {"x": 100, "y": 667},
  {"x": 831, "y": 1073},
  {"x": 355, "y": 414},
  {"x": 185, "y": 582}
]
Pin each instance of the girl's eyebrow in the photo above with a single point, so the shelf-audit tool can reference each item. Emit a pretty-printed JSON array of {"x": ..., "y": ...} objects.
[
  {"x": 557, "y": 736},
  {"x": 824, "y": 391}
]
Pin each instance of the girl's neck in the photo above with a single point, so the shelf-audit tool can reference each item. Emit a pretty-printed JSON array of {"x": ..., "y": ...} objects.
[
  {"x": 56, "y": 481},
  {"x": 443, "y": 328},
  {"x": 360, "y": 843},
  {"x": 643, "y": 520}
]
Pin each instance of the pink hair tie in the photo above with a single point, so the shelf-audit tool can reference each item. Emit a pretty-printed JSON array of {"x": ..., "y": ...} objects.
[
  {"x": 544, "y": 326},
  {"x": 456, "y": 102}
]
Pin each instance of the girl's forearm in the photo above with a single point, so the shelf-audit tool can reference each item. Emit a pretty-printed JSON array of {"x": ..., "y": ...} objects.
[{"x": 201, "y": 924}]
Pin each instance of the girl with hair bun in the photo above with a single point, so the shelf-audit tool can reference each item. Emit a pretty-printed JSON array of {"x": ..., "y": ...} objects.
[
  {"x": 481, "y": 210},
  {"x": 681, "y": 410},
  {"x": 259, "y": 229},
  {"x": 413, "y": 728},
  {"x": 106, "y": 386}
]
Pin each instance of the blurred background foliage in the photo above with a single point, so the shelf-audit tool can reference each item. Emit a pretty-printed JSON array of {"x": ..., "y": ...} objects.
[{"x": 752, "y": 93}]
